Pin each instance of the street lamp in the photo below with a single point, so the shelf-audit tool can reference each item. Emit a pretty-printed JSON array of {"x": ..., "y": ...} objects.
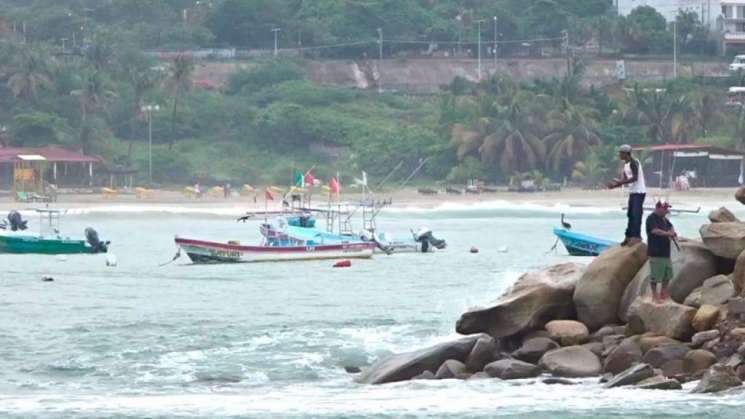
[
  {"x": 276, "y": 33},
  {"x": 148, "y": 110},
  {"x": 3, "y": 130},
  {"x": 479, "y": 45},
  {"x": 380, "y": 60}
]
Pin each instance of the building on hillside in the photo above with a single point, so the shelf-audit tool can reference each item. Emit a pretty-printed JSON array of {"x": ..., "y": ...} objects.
[
  {"x": 705, "y": 165},
  {"x": 731, "y": 23}
]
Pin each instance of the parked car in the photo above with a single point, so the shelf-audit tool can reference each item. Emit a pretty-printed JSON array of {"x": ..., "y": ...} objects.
[{"x": 738, "y": 63}]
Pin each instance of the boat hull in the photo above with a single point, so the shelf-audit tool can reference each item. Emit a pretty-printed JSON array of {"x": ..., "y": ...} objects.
[
  {"x": 207, "y": 252},
  {"x": 43, "y": 245},
  {"x": 582, "y": 245}
]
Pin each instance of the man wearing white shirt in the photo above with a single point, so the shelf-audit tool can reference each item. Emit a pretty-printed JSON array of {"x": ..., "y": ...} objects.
[{"x": 632, "y": 175}]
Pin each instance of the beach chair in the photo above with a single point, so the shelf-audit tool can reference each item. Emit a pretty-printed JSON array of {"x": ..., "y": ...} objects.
[
  {"x": 22, "y": 196},
  {"x": 109, "y": 193},
  {"x": 190, "y": 192},
  {"x": 216, "y": 192},
  {"x": 144, "y": 193},
  {"x": 247, "y": 189}
]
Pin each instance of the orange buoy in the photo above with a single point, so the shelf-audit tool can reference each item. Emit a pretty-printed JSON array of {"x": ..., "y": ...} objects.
[
  {"x": 346, "y": 263},
  {"x": 474, "y": 249}
]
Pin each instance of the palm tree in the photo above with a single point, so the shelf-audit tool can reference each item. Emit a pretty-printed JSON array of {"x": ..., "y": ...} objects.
[
  {"x": 93, "y": 97},
  {"x": 572, "y": 132},
  {"x": 28, "y": 73},
  {"x": 180, "y": 79},
  {"x": 138, "y": 72},
  {"x": 706, "y": 111},
  {"x": 666, "y": 115},
  {"x": 591, "y": 170}
]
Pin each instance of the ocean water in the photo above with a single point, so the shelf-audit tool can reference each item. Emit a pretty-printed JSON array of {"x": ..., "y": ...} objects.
[{"x": 272, "y": 340}]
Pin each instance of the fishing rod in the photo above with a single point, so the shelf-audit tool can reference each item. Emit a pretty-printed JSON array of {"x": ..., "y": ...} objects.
[{"x": 421, "y": 164}]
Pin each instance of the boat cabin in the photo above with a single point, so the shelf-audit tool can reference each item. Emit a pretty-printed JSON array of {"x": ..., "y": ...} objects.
[{"x": 690, "y": 165}]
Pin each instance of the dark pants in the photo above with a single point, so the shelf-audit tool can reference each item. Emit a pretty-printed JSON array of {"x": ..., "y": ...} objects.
[{"x": 634, "y": 213}]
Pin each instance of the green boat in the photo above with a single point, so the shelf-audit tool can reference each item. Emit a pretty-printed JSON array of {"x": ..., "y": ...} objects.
[{"x": 15, "y": 239}]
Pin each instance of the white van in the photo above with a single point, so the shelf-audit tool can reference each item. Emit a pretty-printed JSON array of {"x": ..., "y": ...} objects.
[{"x": 738, "y": 63}]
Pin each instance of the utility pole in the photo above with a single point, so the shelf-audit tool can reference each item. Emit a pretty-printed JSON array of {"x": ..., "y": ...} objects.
[
  {"x": 276, "y": 42},
  {"x": 380, "y": 60},
  {"x": 478, "y": 22},
  {"x": 148, "y": 110},
  {"x": 675, "y": 48},
  {"x": 495, "y": 45},
  {"x": 565, "y": 35}
]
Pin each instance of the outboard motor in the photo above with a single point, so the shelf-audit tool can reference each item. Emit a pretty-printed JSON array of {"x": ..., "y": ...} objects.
[
  {"x": 91, "y": 236},
  {"x": 16, "y": 221},
  {"x": 425, "y": 237}
]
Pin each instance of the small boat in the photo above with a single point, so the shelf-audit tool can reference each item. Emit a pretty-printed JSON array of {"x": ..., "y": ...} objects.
[
  {"x": 420, "y": 242},
  {"x": 580, "y": 244},
  {"x": 15, "y": 239}
]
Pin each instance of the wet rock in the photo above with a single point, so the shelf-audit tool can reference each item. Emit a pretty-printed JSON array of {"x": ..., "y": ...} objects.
[
  {"x": 535, "y": 299},
  {"x": 599, "y": 290},
  {"x": 408, "y": 365},
  {"x": 533, "y": 349},
  {"x": 673, "y": 368},
  {"x": 571, "y": 361},
  {"x": 595, "y": 347},
  {"x": 557, "y": 380},
  {"x": 692, "y": 265},
  {"x": 567, "y": 332},
  {"x": 722, "y": 215},
  {"x": 725, "y": 240},
  {"x": 510, "y": 369},
  {"x": 481, "y": 375},
  {"x": 667, "y": 319},
  {"x": 630, "y": 376},
  {"x": 717, "y": 378},
  {"x": 697, "y": 361},
  {"x": 702, "y": 337},
  {"x": 351, "y": 369},
  {"x": 657, "y": 357},
  {"x": 426, "y": 375},
  {"x": 659, "y": 382},
  {"x": 648, "y": 342},
  {"x": 705, "y": 317},
  {"x": 484, "y": 351},
  {"x": 452, "y": 368},
  {"x": 623, "y": 356}
]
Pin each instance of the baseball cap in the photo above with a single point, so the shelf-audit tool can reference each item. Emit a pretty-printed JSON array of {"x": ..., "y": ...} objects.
[
  {"x": 662, "y": 204},
  {"x": 625, "y": 148}
]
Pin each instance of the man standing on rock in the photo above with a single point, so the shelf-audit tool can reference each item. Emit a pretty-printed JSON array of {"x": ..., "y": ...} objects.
[
  {"x": 659, "y": 233},
  {"x": 632, "y": 175}
]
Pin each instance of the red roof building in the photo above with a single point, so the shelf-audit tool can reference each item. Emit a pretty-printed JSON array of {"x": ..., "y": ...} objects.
[{"x": 34, "y": 168}]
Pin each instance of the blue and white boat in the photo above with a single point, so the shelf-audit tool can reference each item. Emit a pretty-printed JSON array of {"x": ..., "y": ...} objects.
[{"x": 582, "y": 245}]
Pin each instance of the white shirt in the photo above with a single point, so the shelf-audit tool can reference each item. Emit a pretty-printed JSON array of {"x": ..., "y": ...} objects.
[{"x": 639, "y": 186}]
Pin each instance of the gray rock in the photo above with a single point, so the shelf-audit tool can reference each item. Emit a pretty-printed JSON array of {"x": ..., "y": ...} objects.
[
  {"x": 533, "y": 349},
  {"x": 603, "y": 332},
  {"x": 611, "y": 341},
  {"x": 567, "y": 332},
  {"x": 630, "y": 376},
  {"x": 702, "y": 337},
  {"x": 481, "y": 375},
  {"x": 657, "y": 357},
  {"x": 623, "y": 356},
  {"x": 717, "y": 290},
  {"x": 673, "y": 368},
  {"x": 557, "y": 380},
  {"x": 694, "y": 298},
  {"x": 736, "y": 306},
  {"x": 452, "y": 368},
  {"x": 484, "y": 351},
  {"x": 734, "y": 361},
  {"x": 722, "y": 215},
  {"x": 741, "y": 350},
  {"x": 697, "y": 361},
  {"x": 571, "y": 361},
  {"x": 511, "y": 369},
  {"x": 667, "y": 319},
  {"x": 659, "y": 382},
  {"x": 599, "y": 290},
  {"x": 405, "y": 366},
  {"x": 535, "y": 299},
  {"x": 426, "y": 375},
  {"x": 725, "y": 240},
  {"x": 595, "y": 347},
  {"x": 692, "y": 265},
  {"x": 717, "y": 378}
]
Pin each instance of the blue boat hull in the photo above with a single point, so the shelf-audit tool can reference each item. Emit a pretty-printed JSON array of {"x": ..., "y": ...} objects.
[{"x": 582, "y": 245}]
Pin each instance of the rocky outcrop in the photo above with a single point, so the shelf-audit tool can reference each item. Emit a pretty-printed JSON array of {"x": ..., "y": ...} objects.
[
  {"x": 725, "y": 240},
  {"x": 510, "y": 369},
  {"x": 659, "y": 356},
  {"x": 738, "y": 276},
  {"x": 668, "y": 319},
  {"x": 567, "y": 332},
  {"x": 536, "y": 298},
  {"x": 697, "y": 361},
  {"x": 571, "y": 361},
  {"x": 623, "y": 356},
  {"x": 705, "y": 317},
  {"x": 692, "y": 265},
  {"x": 484, "y": 351},
  {"x": 718, "y": 378},
  {"x": 630, "y": 376},
  {"x": 599, "y": 290},
  {"x": 660, "y": 383},
  {"x": 408, "y": 365},
  {"x": 722, "y": 215},
  {"x": 715, "y": 290},
  {"x": 533, "y": 349},
  {"x": 452, "y": 368}
]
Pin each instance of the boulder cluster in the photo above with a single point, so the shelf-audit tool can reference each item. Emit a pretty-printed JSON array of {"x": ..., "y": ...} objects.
[{"x": 571, "y": 320}]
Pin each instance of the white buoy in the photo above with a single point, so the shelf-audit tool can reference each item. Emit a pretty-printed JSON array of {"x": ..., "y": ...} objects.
[
  {"x": 111, "y": 259},
  {"x": 503, "y": 249},
  {"x": 61, "y": 258}
]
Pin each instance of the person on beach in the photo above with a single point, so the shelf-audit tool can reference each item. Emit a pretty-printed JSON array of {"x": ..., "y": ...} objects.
[
  {"x": 632, "y": 175},
  {"x": 659, "y": 234}
]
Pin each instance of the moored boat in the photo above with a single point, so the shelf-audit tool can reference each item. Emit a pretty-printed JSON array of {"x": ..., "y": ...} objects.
[
  {"x": 15, "y": 239},
  {"x": 580, "y": 244}
]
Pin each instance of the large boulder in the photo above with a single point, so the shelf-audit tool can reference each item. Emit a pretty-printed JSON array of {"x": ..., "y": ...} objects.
[
  {"x": 705, "y": 317},
  {"x": 717, "y": 378},
  {"x": 623, "y": 356},
  {"x": 659, "y": 356},
  {"x": 692, "y": 265},
  {"x": 668, "y": 319},
  {"x": 452, "y": 368},
  {"x": 725, "y": 240},
  {"x": 650, "y": 341},
  {"x": 571, "y": 361},
  {"x": 722, "y": 215},
  {"x": 408, "y": 365},
  {"x": 660, "y": 382},
  {"x": 715, "y": 290},
  {"x": 697, "y": 361},
  {"x": 533, "y": 349},
  {"x": 599, "y": 290},
  {"x": 484, "y": 351},
  {"x": 632, "y": 375},
  {"x": 738, "y": 276},
  {"x": 535, "y": 299},
  {"x": 567, "y": 332},
  {"x": 511, "y": 369}
]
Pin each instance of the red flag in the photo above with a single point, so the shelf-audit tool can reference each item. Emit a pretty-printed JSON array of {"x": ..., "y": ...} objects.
[
  {"x": 269, "y": 195},
  {"x": 334, "y": 186},
  {"x": 309, "y": 179}
]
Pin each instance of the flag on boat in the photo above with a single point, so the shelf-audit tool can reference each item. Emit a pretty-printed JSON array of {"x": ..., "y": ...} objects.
[
  {"x": 334, "y": 186},
  {"x": 299, "y": 179},
  {"x": 363, "y": 181},
  {"x": 309, "y": 179},
  {"x": 269, "y": 195}
]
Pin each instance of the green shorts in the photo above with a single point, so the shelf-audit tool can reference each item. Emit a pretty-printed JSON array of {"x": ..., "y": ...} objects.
[{"x": 662, "y": 269}]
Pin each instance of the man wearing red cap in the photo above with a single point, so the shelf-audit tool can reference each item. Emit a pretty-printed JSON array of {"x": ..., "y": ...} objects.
[{"x": 659, "y": 233}]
